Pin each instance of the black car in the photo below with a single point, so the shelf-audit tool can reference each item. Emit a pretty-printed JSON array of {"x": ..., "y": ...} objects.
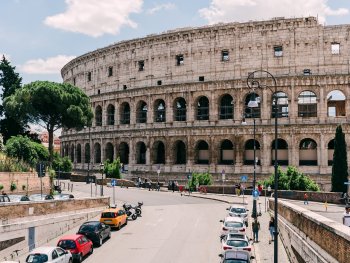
[
  {"x": 170, "y": 186},
  {"x": 95, "y": 231}
]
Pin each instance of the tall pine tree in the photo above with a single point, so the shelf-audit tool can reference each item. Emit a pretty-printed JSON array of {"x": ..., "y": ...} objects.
[
  {"x": 10, "y": 81},
  {"x": 340, "y": 162}
]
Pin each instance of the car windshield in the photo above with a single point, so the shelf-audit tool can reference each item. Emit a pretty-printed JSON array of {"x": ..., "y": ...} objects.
[
  {"x": 234, "y": 224},
  {"x": 108, "y": 215},
  {"x": 233, "y": 236},
  {"x": 238, "y": 210},
  {"x": 37, "y": 258},
  {"x": 235, "y": 261},
  {"x": 87, "y": 228},
  {"x": 67, "y": 244},
  {"x": 237, "y": 243}
]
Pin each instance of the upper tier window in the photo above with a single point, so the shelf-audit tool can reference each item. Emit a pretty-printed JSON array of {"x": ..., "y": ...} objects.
[
  {"x": 278, "y": 51},
  {"x": 179, "y": 60},
  {"x": 335, "y": 48}
]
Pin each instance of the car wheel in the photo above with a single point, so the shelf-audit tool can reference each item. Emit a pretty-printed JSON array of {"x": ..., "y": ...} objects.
[
  {"x": 126, "y": 221},
  {"x": 91, "y": 250},
  {"x": 119, "y": 226},
  {"x": 109, "y": 235},
  {"x": 100, "y": 241},
  {"x": 80, "y": 258}
]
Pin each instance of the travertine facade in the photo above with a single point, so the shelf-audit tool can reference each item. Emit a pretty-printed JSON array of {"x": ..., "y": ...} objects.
[{"x": 177, "y": 100}]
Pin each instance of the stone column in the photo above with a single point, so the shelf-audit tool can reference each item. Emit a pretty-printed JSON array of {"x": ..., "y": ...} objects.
[
  {"x": 116, "y": 113},
  {"x": 265, "y": 106},
  {"x": 292, "y": 105},
  {"x": 322, "y": 104},
  {"x": 213, "y": 107}
]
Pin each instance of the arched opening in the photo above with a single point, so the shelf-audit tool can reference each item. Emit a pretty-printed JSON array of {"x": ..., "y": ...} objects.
[
  {"x": 307, "y": 104},
  {"x": 87, "y": 153},
  {"x": 125, "y": 113},
  {"x": 226, "y": 107},
  {"x": 79, "y": 153},
  {"x": 97, "y": 152},
  {"x": 180, "y": 152},
  {"x": 180, "y": 109},
  {"x": 249, "y": 152},
  {"x": 203, "y": 108},
  {"x": 202, "y": 152},
  {"x": 282, "y": 152},
  {"x": 252, "y": 112},
  {"x": 227, "y": 155},
  {"x": 72, "y": 153},
  {"x": 109, "y": 152},
  {"x": 124, "y": 153},
  {"x": 141, "y": 112},
  {"x": 282, "y": 105},
  {"x": 330, "y": 152},
  {"x": 141, "y": 153},
  {"x": 308, "y": 152},
  {"x": 159, "y": 152},
  {"x": 110, "y": 114},
  {"x": 336, "y": 104},
  {"x": 159, "y": 111},
  {"x": 98, "y": 116}
]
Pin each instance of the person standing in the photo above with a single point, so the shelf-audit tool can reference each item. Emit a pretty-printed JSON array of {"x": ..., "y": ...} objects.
[
  {"x": 271, "y": 229},
  {"x": 269, "y": 191},
  {"x": 256, "y": 228},
  {"x": 346, "y": 216},
  {"x": 173, "y": 185},
  {"x": 306, "y": 199}
]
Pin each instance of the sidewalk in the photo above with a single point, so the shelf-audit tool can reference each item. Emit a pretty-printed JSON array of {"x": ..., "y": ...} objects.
[{"x": 264, "y": 252}]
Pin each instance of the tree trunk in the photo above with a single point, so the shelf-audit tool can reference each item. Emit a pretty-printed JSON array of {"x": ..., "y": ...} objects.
[{"x": 50, "y": 131}]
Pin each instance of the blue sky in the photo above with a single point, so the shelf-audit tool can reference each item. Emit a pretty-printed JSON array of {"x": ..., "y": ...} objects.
[{"x": 40, "y": 36}]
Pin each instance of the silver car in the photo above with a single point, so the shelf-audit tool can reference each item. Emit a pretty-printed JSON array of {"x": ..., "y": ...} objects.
[
  {"x": 239, "y": 211},
  {"x": 235, "y": 257}
]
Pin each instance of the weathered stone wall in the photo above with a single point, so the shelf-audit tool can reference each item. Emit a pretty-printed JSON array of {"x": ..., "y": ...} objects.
[
  {"x": 10, "y": 211},
  {"x": 310, "y": 237},
  {"x": 30, "y": 180}
]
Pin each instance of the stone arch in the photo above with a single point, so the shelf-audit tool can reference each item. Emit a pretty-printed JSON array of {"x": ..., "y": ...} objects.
[
  {"x": 141, "y": 150},
  {"x": 158, "y": 153},
  {"x": 250, "y": 112},
  {"x": 180, "y": 153},
  {"x": 141, "y": 112},
  {"x": 202, "y": 108},
  {"x": 109, "y": 152},
  {"x": 282, "y": 152},
  {"x": 123, "y": 152},
  {"x": 125, "y": 113},
  {"x": 180, "y": 109},
  {"x": 98, "y": 115},
  {"x": 202, "y": 155},
  {"x": 97, "y": 152},
  {"x": 159, "y": 111},
  {"x": 336, "y": 104},
  {"x": 227, "y": 153},
  {"x": 249, "y": 152},
  {"x": 110, "y": 114},
  {"x": 78, "y": 153},
  {"x": 307, "y": 104},
  {"x": 282, "y": 104},
  {"x": 226, "y": 107},
  {"x": 308, "y": 152}
]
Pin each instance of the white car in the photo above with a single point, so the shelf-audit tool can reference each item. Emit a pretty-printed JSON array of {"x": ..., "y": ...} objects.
[
  {"x": 239, "y": 211},
  {"x": 233, "y": 236},
  {"x": 235, "y": 256},
  {"x": 236, "y": 244},
  {"x": 49, "y": 255},
  {"x": 233, "y": 225}
]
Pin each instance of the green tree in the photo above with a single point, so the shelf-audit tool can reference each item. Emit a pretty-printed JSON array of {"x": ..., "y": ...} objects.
[
  {"x": 52, "y": 106},
  {"x": 199, "y": 179},
  {"x": 22, "y": 148},
  {"x": 112, "y": 169},
  {"x": 340, "y": 162},
  {"x": 10, "y": 81},
  {"x": 61, "y": 164}
]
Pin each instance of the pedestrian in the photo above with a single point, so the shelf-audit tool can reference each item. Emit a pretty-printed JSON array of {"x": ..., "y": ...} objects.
[
  {"x": 256, "y": 228},
  {"x": 306, "y": 199},
  {"x": 271, "y": 229},
  {"x": 173, "y": 185},
  {"x": 158, "y": 186},
  {"x": 260, "y": 188},
  {"x": 346, "y": 216},
  {"x": 139, "y": 182},
  {"x": 239, "y": 189},
  {"x": 269, "y": 191}
]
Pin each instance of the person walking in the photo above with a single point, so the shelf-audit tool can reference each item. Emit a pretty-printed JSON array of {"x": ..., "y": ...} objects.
[
  {"x": 346, "y": 216},
  {"x": 271, "y": 229},
  {"x": 269, "y": 191},
  {"x": 173, "y": 185},
  {"x": 256, "y": 228},
  {"x": 306, "y": 199}
]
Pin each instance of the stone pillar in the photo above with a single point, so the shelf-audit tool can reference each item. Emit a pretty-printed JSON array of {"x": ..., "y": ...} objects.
[
  {"x": 322, "y": 104},
  {"x": 133, "y": 110},
  {"x": 265, "y": 106},
  {"x": 169, "y": 111},
  {"x": 102, "y": 150},
  {"x": 293, "y": 152},
  {"x": 116, "y": 113},
  {"x": 190, "y": 107},
  {"x": 150, "y": 110},
  {"x": 213, "y": 107},
  {"x": 292, "y": 105},
  {"x": 265, "y": 152},
  {"x": 323, "y": 153}
]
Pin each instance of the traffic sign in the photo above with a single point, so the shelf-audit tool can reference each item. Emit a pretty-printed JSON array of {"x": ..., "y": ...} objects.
[
  {"x": 244, "y": 178},
  {"x": 223, "y": 175},
  {"x": 189, "y": 176},
  {"x": 113, "y": 182},
  {"x": 255, "y": 194},
  {"x": 40, "y": 169},
  {"x": 346, "y": 182}
]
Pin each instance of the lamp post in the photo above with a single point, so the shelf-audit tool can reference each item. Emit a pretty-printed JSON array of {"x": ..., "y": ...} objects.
[
  {"x": 223, "y": 180},
  {"x": 101, "y": 166},
  {"x": 158, "y": 172},
  {"x": 254, "y": 83}
]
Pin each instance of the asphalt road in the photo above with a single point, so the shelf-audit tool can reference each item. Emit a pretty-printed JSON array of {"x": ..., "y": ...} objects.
[{"x": 172, "y": 229}]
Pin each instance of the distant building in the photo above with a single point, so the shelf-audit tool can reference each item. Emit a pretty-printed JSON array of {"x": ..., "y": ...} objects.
[{"x": 44, "y": 138}]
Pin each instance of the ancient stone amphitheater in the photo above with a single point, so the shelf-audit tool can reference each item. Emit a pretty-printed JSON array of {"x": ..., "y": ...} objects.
[{"x": 178, "y": 101}]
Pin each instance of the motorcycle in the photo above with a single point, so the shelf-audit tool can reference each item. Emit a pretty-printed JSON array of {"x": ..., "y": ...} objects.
[
  {"x": 136, "y": 208},
  {"x": 130, "y": 211}
]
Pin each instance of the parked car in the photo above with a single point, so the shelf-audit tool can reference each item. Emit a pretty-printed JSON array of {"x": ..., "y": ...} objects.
[
  {"x": 236, "y": 244},
  {"x": 40, "y": 197},
  {"x": 78, "y": 245},
  {"x": 114, "y": 217},
  {"x": 18, "y": 198},
  {"x": 95, "y": 231},
  {"x": 63, "y": 196},
  {"x": 233, "y": 225},
  {"x": 4, "y": 198},
  {"x": 239, "y": 211},
  {"x": 170, "y": 186},
  {"x": 235, "y": 257},
  {"x": 235, "y": 235},
  {"x": 49, "y": 255}
]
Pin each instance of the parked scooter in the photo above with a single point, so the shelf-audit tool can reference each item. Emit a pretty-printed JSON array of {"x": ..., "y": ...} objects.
[
  {"x": 137, "y": 208},
  {"x": 130, "y": 211}
]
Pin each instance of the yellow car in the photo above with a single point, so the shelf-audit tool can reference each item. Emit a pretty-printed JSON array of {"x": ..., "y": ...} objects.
[{"x": 114, "y": 217}]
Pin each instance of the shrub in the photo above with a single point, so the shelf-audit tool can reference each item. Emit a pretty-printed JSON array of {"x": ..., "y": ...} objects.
[
  {"x": 13, "y": 186},
  {"x": 62, "y": 164},
  {"x": 112, "y": 170},
  {"x": 1, "y": 187},
  {"x": 199, "y": 179}
]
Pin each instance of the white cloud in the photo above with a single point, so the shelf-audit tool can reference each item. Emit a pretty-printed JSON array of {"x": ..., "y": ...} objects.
[
  {"x": 245, "y": 10},
  {"x": 51, "y": 65},
  {"x": 95, "y": 17},
  {"x": 157, "y": 8}
]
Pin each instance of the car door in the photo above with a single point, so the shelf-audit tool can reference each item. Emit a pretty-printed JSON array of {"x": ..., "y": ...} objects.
[
  {"x": 63, "y": 257},
  {"x": 123, "y": 216},
  {"x": 84, "y": 243},
  {"x": 54, "y": 257},
  {"x": 105, "y": 230}
]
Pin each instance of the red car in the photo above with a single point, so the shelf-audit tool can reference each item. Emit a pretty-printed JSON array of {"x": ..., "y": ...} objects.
[{"x": 77, "y": 244}]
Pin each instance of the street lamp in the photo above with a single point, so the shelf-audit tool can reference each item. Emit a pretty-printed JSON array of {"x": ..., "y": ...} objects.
[
  {"x": 158, "y": 172},
  {"x": 254, "y": 83},
  {"x": 223, "y": 180},
  {"x": 101, "y": 166}
]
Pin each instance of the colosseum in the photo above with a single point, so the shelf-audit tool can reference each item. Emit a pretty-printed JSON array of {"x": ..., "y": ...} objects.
[{"x": 178, "y": 101}]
